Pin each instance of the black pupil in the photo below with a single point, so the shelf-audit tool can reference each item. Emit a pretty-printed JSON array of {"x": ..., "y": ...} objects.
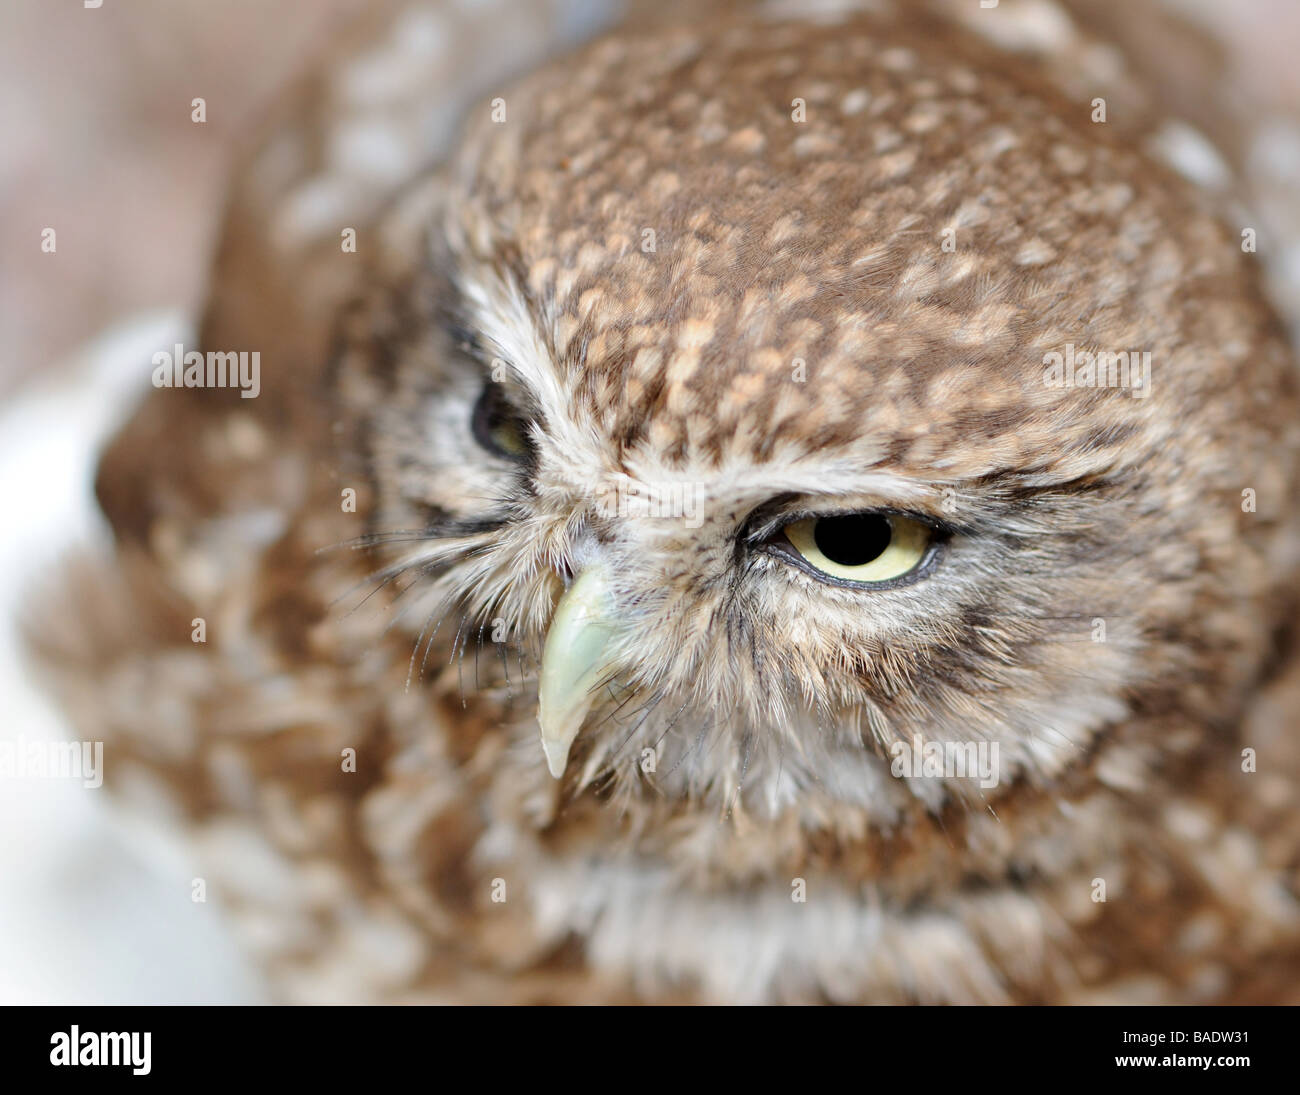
[{"x": 853, "y": 540}]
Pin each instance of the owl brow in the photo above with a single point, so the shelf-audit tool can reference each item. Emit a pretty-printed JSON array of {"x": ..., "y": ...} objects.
[
  {"x": 1025, "y": 484},
  {"x": 458, "y": 325},
  {"x": 468, "y": 341},
  {"x": 463, "y": 336},
  {"x": 466, "y": 338}
]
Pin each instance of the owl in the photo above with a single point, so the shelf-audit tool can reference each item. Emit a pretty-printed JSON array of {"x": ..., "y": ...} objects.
[{"x": 786, "y": 508}]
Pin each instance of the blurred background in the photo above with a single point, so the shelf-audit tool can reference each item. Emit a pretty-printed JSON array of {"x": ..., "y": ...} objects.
[
  {"x": 99, "y": 144},
  {"x": 95, "y": 111}
]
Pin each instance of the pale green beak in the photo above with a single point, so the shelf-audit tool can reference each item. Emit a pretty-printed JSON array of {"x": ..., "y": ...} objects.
[{"x": 574, "y": 662}]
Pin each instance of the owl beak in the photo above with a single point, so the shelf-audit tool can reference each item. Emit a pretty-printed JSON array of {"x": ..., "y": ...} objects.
[{"x": 574, "y": 662}]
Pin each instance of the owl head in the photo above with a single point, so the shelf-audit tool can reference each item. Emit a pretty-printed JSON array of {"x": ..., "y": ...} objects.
[{"x": 765, "y": 399}]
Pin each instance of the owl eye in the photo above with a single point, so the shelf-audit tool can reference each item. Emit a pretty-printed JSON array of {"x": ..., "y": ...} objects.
[
  {"x": 861, "y": 547},
  {"x": 498, "y": 426}
]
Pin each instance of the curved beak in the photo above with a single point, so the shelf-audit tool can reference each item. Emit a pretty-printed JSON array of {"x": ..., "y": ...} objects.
[{"x": 574, "y": 662}]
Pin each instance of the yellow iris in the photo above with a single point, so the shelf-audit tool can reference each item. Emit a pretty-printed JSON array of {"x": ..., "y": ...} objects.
[{"x": 861, "y": 547}]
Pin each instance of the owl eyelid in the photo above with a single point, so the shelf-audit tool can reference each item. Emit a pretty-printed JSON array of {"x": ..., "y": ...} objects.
[{"x": 764, "y": 524}]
